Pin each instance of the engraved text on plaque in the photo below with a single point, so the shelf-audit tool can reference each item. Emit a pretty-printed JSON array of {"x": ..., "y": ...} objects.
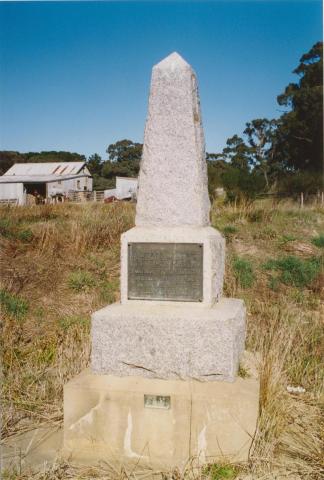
[{"x": 165, "y": 271}]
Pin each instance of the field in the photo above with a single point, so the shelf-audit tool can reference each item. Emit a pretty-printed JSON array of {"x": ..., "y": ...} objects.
[{"x": 61, "y": 262}]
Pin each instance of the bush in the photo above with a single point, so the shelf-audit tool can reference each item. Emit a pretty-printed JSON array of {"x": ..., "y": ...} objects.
[
  {"x": 243, "y": 272},
  {"x": 242, "y": 184},
  {"x": 294, "y": 271}
]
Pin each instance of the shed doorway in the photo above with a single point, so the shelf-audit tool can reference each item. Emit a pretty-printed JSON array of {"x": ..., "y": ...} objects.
[{"x": 35, "y": 189}]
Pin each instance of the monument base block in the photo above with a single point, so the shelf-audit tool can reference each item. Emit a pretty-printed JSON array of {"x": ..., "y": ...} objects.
[
  {"x": 178, "y": 341},
  {"x": 158, "y": 424}
]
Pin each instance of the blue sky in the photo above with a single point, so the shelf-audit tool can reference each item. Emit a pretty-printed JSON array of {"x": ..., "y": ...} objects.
[{"x": 75, "y": 75}]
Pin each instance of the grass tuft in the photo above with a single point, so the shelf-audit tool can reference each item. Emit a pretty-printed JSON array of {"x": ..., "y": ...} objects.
[
  {"x": 13, "y": 305},
  {"x": 243, "y": 271},
  {"x": 293, "y": 271},
  {"x": 217, "y": 471},
  {"x": 319, "y": 240},
  {"x": 81, "y": 281}
]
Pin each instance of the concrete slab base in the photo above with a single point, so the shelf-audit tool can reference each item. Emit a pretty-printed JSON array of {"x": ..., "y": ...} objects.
[
  {"x": 158, "y": 424},
  {"x": 34, "y": 450}
]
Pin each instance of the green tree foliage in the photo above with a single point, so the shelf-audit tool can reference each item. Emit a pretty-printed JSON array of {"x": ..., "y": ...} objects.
[
  {"x": 299, "y": 142},
  {"x": 94, "y": 164},
  {"x": 124, "y": 151},
  {"x": 288, "y": 152},
  {"x": 237, "y": 153},
  {"x": 260, "y": 133},
  {"x": 124, "y": 159}
]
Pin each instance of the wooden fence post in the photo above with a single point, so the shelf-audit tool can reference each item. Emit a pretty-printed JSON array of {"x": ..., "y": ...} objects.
[{"x": 301, "y": 200}]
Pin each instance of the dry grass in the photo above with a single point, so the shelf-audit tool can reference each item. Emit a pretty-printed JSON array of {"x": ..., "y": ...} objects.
[{"x": 59, "y": 263}]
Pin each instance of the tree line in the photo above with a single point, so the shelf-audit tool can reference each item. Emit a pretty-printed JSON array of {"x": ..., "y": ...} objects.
[{"x": 273, "y": 155}]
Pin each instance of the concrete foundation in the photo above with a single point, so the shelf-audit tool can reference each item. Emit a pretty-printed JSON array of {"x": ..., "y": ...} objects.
[
  {"x": 176, "y": 341},
  {"x": 105, "y": 417}
]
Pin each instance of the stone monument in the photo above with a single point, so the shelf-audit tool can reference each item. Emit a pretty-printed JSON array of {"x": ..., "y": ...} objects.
[{"x": 163, "y": 384}]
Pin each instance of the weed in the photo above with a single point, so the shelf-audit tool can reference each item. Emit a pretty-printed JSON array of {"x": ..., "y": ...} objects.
[
  {"x": 319, "y": 240},
  {"x": 25, "y": 235},
  {"x": 287, "y": 238},
  {"x": 243, "y": 372},
  {"x": 81, "y": 281},
  {"x": 265, "y": 233},
  {"x": 294, "y": 271},
  {"x": 67, "y": 322},
  {"x": 243, "y": 272},
  {"x": 107, "y": 291},
  {"x": 13, "y": 305},
  {"x": 229, "y": 230},
  {"x": 5, "y": 227},
  {"x": 217, "y": 471}
]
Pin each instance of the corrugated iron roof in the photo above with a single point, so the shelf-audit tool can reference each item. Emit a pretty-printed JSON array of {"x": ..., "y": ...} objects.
[
  {"x": 39, "y": 178},
  {"x": 50, "y": 168}
]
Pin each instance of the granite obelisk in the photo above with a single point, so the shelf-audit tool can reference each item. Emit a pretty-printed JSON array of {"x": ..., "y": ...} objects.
[{"x": 163, "y": 383}]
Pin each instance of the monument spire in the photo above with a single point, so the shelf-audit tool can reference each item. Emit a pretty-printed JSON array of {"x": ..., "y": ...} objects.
[{"x": 173, "y": 176}]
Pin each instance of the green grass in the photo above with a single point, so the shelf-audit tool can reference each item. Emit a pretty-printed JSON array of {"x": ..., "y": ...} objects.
[
  {"x": 293, "y": 271},
  {"x": 243, "y": 272},
  {"x": 11, "y": 230},
  {"x": 216, "y": 471},
  {"x": 229, "y": 230},
  {"x": 68, "y": 321},
  {"x": 318, "y": 241},
  {"x": 13, "y": 304},
  {"x": 81, "y": 281}
]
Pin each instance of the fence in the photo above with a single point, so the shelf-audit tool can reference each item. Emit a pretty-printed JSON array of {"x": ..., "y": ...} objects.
[{"x": 82, "y": 197}]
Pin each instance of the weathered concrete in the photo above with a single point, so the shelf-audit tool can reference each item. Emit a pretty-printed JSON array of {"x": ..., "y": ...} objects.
[
  {"x": 213, "y": 260},
  {"x": 32, "y": 450},
  {"x": 164, "y": 341},
  {"x": 105, "y": 418},
  {"x": 173, "y": 175}
]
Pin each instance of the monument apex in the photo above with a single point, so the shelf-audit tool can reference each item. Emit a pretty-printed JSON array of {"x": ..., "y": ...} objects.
[{"x": 173, "y": 176}]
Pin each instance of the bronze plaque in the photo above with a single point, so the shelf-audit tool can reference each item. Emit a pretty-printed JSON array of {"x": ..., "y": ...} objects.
[{"x": 165, "y": 271}]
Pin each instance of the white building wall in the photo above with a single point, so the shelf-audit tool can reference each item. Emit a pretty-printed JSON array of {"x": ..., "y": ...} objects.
[
  {"x": 12, "y": 191},
  {"x": 126, "y": 187},
  {"x": 65, "y": 186}
]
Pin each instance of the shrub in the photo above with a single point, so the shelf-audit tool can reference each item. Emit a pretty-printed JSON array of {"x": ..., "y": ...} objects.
[
  {"x": 13, "y": 305},
  {"x": 318, "y": 241},
  {"x": 81, "y": 280},
  {"x": 243, "y": 272},
  {"x": 294, "y": 271}
]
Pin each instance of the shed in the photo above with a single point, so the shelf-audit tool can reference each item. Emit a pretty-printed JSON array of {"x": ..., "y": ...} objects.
[
  {"x": 126, "y": 188},
  {"x": 45, "y": 180}
]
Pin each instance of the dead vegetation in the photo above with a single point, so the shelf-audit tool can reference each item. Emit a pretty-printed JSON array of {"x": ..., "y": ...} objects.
[{"x": 59, "y": 263}]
